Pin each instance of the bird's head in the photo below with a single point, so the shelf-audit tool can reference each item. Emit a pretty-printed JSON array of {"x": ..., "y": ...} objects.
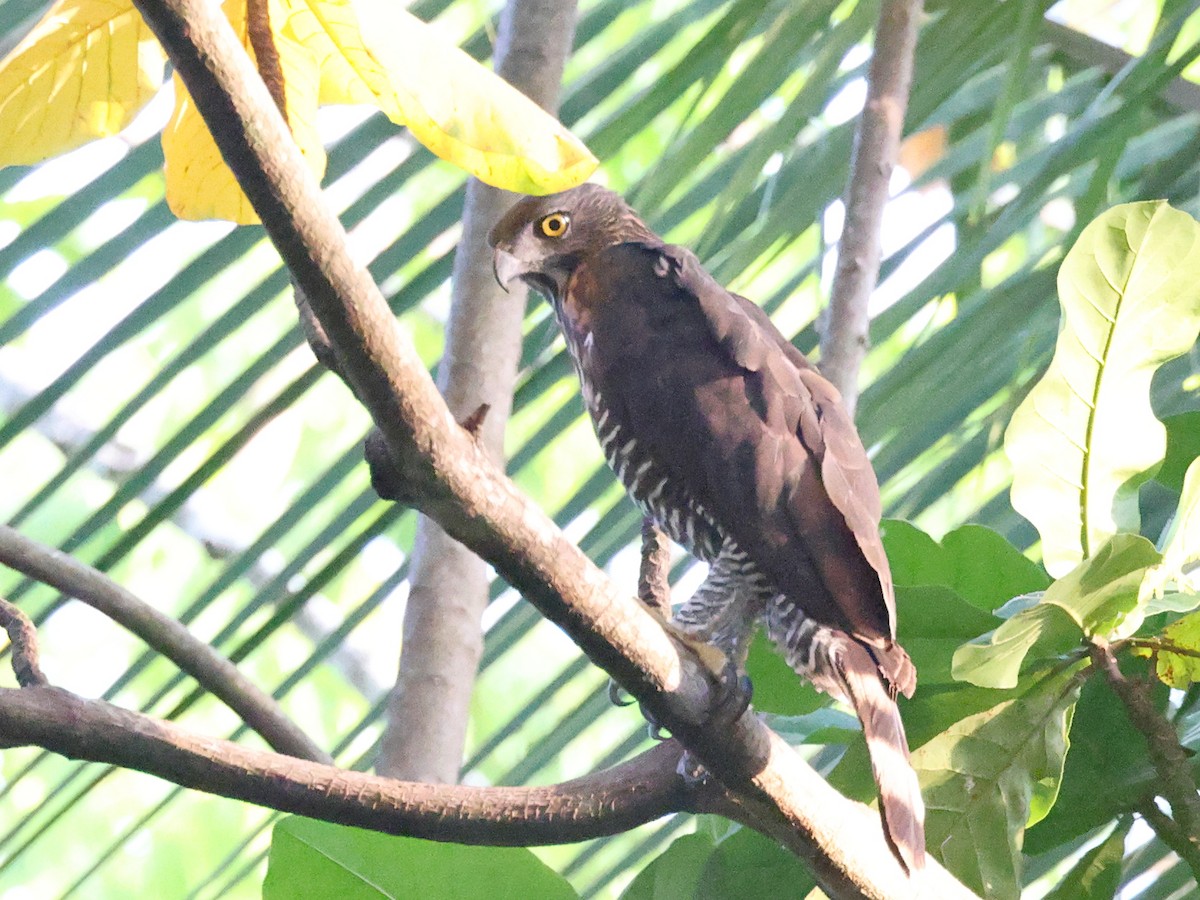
[{"x": 542, "y": 239}]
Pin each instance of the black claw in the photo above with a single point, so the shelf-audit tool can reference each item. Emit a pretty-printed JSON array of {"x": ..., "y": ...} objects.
[
  {"x": 655, "y": 729},
  {"x": 734, "y": 693},
  {"x": 616, "y": 696}
]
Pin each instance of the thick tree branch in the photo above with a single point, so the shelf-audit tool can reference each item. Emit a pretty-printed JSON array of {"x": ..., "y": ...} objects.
[
  {"x": 612, "y": 801},
  {"x": 448, "y": 588},
  {"x": 457, "y": 484},
  {"x": 876, "y": 146},
  {"x": 213, "y": 672},
  {"x": 1176, "y": 784}
]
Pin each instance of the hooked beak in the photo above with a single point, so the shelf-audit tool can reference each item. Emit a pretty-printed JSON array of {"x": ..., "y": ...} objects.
[{"x": 506, "y": 267}]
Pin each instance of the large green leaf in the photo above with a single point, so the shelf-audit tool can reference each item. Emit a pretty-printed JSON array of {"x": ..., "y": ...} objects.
[
  {"x": 1183, "y": 447},
  {"x": 989, "y": 775},
  {"x": 977, "y": 563},
  {"x": 743, "y": 864},
  {"x": 1107, "y": 770},
  {"x": 1100, "y": 596},
  {"x": 1181, "y": 546},
  {"x": 1097, "y": 875},
  {"x": 318, "y": 859},
  {"x": 1086, "y": 437}
]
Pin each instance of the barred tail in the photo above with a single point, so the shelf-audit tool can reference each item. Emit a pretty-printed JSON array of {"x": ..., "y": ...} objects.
[
  {"x": 900, "y": 805},
  {"x": 839, "y": 665}
]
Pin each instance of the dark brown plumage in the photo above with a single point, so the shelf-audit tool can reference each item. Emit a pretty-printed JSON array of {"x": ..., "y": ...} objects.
[{"x": 726, "y": 435}]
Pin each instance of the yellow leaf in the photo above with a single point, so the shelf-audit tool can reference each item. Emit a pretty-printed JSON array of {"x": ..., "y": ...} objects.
[
  {"x": 374, "y": 51},
  {"x": 329, "y": 29},
  {"x": 83, "y": 72},
  {"x": 199, "y": 184},
  {"x": 1177, "y": 659}
]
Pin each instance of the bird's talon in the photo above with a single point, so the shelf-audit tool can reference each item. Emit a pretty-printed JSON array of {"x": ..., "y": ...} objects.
[
  {"x": 654, "y": 729},
  {"x": 617, "y": 696},
  {"x": 734, "y": 691}
]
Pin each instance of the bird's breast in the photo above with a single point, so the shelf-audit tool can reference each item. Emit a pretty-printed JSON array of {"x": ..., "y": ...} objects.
[{"x": 656, "y": 490}]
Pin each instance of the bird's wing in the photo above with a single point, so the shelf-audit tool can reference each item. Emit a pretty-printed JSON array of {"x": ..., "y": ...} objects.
[{"x": 800, "y": 468}]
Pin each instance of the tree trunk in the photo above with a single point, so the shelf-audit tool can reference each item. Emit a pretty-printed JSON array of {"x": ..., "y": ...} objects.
[{"x": 442, "y": 642}]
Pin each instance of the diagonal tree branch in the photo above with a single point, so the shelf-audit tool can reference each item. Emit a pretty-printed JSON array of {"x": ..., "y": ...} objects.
[
  {"x": 455, "y": 482},
  {"x": 213, "y": 672},
  {"x": 876, "y": 146},
  {"x": 1176, "y": 784},
  {"x": 1171, "y": 834}
]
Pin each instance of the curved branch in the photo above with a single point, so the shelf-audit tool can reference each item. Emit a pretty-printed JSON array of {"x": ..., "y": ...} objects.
[
  {"x": 213, "y": 672},
  {"x": 455, "y": 483},
  {"x": 876, "y": 146},
  {"x": 23, "y": 638},
  {"x": 631, "y": 794}
]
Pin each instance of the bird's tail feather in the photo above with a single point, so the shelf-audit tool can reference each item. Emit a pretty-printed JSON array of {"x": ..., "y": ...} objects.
[
  {"x": 836, "y": 663},
  {"x": 900, "y": 803}
]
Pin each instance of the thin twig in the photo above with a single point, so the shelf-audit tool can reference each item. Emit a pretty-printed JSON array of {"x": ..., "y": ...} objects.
[
  {"x": 1162, "y": 743},
  {"x": 212, "y": 671},
  {"x": 23, "y": 637},
  {"x": 1159, "y": 645},
  {"x": 876, "y": 147}
]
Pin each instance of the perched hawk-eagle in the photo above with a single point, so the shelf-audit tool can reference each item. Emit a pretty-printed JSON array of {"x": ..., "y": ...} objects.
[{"x": 725, "y": 435}]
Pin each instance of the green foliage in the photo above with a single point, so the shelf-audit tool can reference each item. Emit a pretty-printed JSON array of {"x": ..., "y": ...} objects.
[
  {"x": 775, "y": 685},
  {"x": 1094, "y": 599},
  {"x": 175, "y": 352},
  {"x": 1097, "y": 875},
  {"x": 986, "y": 777},
  {"x": 1177, "y": 652},
  {"x": 1183, "y": 447},
  {"x": 318, "y": 859},
  {"x": 975, "y": 562},
  {"x": 1130, "y": 303},
  {"x": 700, "y": 867},
  {"x": 1107, "y": 770},
  {"x": 1181, "y": 543},
  {"x": 1085, "y": 438}
]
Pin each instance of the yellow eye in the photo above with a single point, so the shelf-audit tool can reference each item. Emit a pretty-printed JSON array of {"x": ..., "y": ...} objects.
[{"x": 555, "y": 225}]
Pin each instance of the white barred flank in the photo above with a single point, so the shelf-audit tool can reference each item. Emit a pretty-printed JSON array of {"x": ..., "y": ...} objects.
[{"x": 685, "y": 521}]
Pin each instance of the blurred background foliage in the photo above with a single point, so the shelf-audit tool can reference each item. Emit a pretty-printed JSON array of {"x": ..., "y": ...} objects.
[{"x": 163, "y": 420}]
